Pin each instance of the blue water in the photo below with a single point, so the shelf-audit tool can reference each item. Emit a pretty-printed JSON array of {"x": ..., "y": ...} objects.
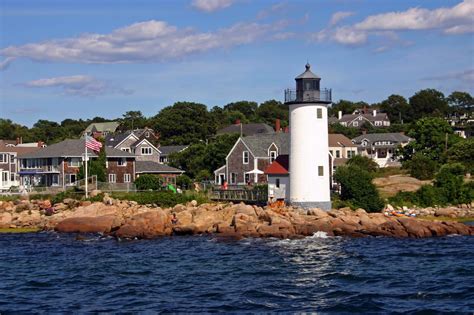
[{"x": 49, "y": 272}]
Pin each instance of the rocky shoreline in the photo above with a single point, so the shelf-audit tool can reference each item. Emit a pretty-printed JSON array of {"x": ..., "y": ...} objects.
[{"x": 129, "y": 220}]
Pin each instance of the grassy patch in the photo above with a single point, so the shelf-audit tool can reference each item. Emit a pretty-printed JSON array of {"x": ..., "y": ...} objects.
[
  {"x": 19, "y": 230},
  {"x": 161, "y": 198},
  {"x": 433, "y": 218},
  {"x": 389, "y": 171}
]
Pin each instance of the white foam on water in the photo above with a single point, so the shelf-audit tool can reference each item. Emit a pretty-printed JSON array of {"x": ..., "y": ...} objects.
[{"x": 320, "y": 234}]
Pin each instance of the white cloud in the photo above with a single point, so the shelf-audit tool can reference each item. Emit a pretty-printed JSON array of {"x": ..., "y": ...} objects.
[
  {"x": 461, "y": 14},
  {"x": 339, "y": 16},
  {"x": 78, "y": 85},
  {"x": 211, "y": 5},
  {"x": 150, "y": 41},
  {"x": 6, "y": 63},
  {"x": 466, "y": 76},
  {"x": 458, "y": 19}
]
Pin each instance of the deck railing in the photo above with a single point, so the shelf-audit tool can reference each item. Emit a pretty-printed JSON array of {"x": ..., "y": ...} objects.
[{"x": 293, "y": 95}]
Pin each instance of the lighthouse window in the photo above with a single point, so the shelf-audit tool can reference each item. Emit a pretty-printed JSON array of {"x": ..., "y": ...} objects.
[
  {"x": 245, "y": 157},
  {"x": 320, "y": 171},
  {"x": 319, "y": 113},
  {"x": 273, "y": 156}
]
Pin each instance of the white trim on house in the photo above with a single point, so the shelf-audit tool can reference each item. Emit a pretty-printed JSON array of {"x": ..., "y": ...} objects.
[
  {"x": 245, "y": 157},
  {"x": 126, "y": 138},
  {"x": 139, "y": 143}
]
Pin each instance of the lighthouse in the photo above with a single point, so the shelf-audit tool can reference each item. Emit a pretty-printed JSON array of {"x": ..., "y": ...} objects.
[{"x": 309, "y": 149}]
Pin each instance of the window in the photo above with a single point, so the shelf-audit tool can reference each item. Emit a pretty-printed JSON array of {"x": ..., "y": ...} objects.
[
  {"x": 4, "y": 177},
  {"x": 147, "y": 134},
  {"x": 126, "y": 178},
  {"x": 70, "y": 179},
  {"x": 332, "y": 153},
  {"x": 122, "y": 162},
  {"x": 320, "y": 170},
  {"x": 12, "y": 159},
  {"x": 378, "y": 123},
  {"x": 146, "y": 151},
  {"x": 245, "y": 157},
  {"x": 3, "y": 158},
  {"x": 355, "y": 123},
  {"x": 233, "y": 178},
  {"x": 277, "y": 183},
  {"x": 350, "y": 153},
  {"x": 338, "y": 154},
  {"x": 55, "y": 180},
  {"x": 125, "y": 149},
  {"x": 319, "y": 113},
  {"x": 247, "y": 178},
  {"x": 74, "y": 162},
  {"x": 273, "y": 156},
  {"x": 112, "y": 178}
]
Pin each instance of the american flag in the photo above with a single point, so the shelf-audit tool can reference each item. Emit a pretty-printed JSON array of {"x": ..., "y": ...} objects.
[{"x": 93, "y": 144}]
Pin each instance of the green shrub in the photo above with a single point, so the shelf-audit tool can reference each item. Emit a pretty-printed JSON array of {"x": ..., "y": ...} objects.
[
  {"x": 162, "y": 198},
  {"x": 450, "y": 182},
  {"x": 357, "y": 188},
  {"x": 183, "y": 181},
  {"x": 73, "y": 193},
  {"x": 421, "y": 167},
  {"x": 148, "y": 182},
  {"x": 203, "y": 175},
  {"x": 403, "y": 198},
  {"x": 363, "y": 162}
]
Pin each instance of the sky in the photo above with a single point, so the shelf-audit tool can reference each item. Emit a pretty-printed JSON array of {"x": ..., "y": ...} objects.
[{"x": 81, "y": 59}]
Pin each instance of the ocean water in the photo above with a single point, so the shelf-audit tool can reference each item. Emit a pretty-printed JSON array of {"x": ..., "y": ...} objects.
[{"x": 57, "y": 273}]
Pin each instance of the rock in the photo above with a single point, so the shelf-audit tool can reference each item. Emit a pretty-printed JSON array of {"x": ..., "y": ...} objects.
[
  {"x": 317, "y": 212},
  {"x": 415, "y": 228},
  {"x": 178, "y": 208},
  {"x": 146, "y": 225},
  {"x": 193, "y": 203},
  {"x": 95, "y": 193},
  {"x": 445, "y": 212},
  {"x": 101, "y": 224},
  {"x": 390, "y": 207},
  {"x": 245, "y": 209},
  {"x": 5, "y": 219},
  {"x": 185, "y": 230},
  {"x": 107, "y": 200},
  {"x": 70, "y": 202}
]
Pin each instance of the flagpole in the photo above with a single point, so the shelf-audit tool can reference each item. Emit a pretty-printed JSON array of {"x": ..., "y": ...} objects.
[{"x": 85, "y": 168}]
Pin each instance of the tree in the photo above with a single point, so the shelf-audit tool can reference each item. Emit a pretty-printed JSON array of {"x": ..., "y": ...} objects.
[
  {"x": 363, "y": 162},
  {"x": 148, "y": 182},
  {"x": 346, "y": 107},
  {"x": 190, "y": 160},
  {"x": 428, "y": 102},
  {"x": 132, "y": 120},
  {"x": 463, "y": 152},
  {"x": 349, "y": 132},
  {"x": 271, "y": 110},
  {"x": 96, "y": 166},
  {"x": 450, "y": 181},
  {"x": 421, "y": 167},
  {"x": 461, "y": 101},
  {"x": 357, "y": 188},
  {"x": 430, "y": 136},
  {"x": 183, "y": 123},
  {"x": 245, "y": 107},
  {"x": 397, "y": 109},
  {"x": 183, "y": 181}
]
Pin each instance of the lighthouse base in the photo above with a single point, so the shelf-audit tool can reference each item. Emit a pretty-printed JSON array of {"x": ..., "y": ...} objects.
[{"x": 324, "y": 205}]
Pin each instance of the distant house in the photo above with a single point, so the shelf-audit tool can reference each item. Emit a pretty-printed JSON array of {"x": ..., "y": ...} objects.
[
  {"x": 381, "y": 147},
  {"x": 166, "y": 150},
  {"x": 102, "y": 128},
  {"x": 463, "y": 125},
  {"x": 9, "y": 164},
  {"x": 246, "y": 129},
  {"x": 249, "y": 158},
  {"x": 359, "y": 118},
  {"x": 144, "y": 144},
  {"x": 58, "y": 165}
]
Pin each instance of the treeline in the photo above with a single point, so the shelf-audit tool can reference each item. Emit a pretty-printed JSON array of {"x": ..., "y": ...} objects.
[{"x": 187, "y": 123}]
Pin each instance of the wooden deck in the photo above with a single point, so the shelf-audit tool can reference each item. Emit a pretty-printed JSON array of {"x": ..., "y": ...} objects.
[{"x": 240, "y": 195}]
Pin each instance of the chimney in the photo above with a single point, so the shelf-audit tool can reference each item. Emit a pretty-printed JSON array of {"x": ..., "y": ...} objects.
[
  {"x": 40, "y": 144},
  {"x": 277, "y": 125},
  {"x": 364, "y": 132},
  {"x": 17, "y": 141},
  {"x": 287, "y": 130},
  {"x": 374, "y": 112},
  {"x": 339, "y": 115},
  {"x": 237, "y": 121}
]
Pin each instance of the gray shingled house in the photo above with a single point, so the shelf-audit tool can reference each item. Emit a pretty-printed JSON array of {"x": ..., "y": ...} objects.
[{"x": 381, "y": 147}]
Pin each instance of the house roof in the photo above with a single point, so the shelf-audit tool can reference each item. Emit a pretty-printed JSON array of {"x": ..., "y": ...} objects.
[
  {"x": 339, "y": 140},
  {"x": 390, "y": 136},
  {"x": 168, "y": 149},
  {"x": 247, "y": 129},
  {"x": 71, "y": 148},
  {"x": 369, "y": 117},
  {"x": 109, "y": 126},
  {"x": 259, "y": 144},
  {"x": 112, "y": 140},
  {"x": 18, "y": 150},
  {"x": 307, "y": 74},
  {"x": 280, "y": 166},
  {"x": 153, "y": 167}
]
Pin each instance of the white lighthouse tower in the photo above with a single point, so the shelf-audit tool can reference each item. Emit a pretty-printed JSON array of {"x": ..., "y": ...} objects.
[{"x": 309, "y": 149}]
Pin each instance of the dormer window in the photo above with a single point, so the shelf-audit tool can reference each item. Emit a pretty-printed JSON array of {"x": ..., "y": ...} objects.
[
  {"x": 146, "y": 151},
  {"x": 273, "y": 156}
]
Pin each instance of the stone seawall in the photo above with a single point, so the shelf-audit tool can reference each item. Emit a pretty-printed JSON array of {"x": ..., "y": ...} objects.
[{"x": 127, "y": 219}]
